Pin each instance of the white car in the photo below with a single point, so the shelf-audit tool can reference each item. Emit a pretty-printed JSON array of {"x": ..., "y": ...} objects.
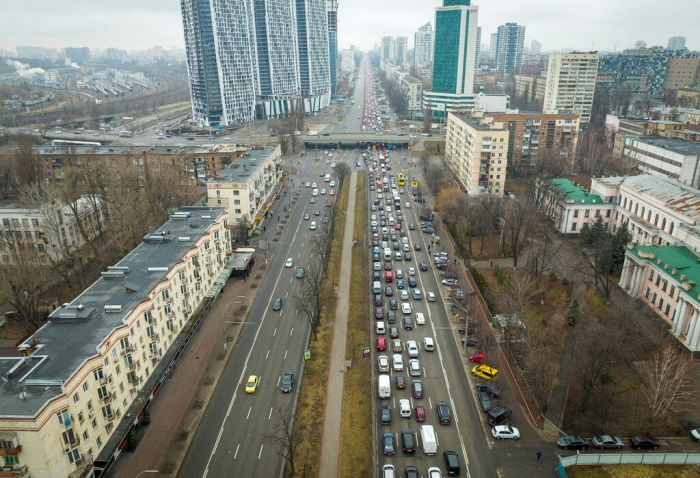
[
  {"x": 383, "y": 363},
  {"x": 411, "y": 271},
  {"x": 504, "y": 431},
  {"x": 414, "y": 368},
  {"x": 333, "y": 164},
  {"x": 312, "y": 226},
  {"x": 406, "y": 248},
  {"x": 420, "y": 318},
  {"x": 289, "y": 263},
  {"x": 308, "y": 184},
  {"x": 323, "y": 192},
  {"x": 434, "y": 472},
  {"x": 398, "y": 363},
  {"x": 332, "y": 184},
  {"x": 412, "y": 348},
  {"x": 404, "y": 240},
  {"x": 430, "y": 296},
  {"x": 313, "y": 185},
  {"x": 325, "y": 152},
  {"x": 404, "y": 295},
  {"x": 406, "y": 308},
  {"x": 405, "y": 408},
  {"x": 407, "y": 205},
  {"x": 377, "y": 266},
  {"x": 449, "y": 282},
  {"x": 314, "y": 193}
]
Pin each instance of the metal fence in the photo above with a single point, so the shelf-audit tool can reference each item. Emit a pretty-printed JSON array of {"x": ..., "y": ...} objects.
[{"x": 630, "y": 459}]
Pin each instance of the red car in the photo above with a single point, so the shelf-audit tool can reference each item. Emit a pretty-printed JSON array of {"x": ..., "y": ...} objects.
[
  {"x": 477, "y": 358},
  {"x": 398, "y": 226},
  {"x": 328, "y": 203},
  {"x": 420, "y": 414},
  {"x": 381, "y": 344}
]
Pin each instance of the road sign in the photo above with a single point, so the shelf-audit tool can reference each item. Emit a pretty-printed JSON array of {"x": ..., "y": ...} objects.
[
  {"x": 307, "y": 354},
  {"x": 365, "y": 352},
  {"x": 219, "y": 128}
]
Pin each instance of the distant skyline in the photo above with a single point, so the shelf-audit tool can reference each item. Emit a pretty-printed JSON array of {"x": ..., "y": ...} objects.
[{"x": 139, "y": 25}]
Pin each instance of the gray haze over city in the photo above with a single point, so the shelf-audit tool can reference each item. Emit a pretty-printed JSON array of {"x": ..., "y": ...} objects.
[{"x": 604, "y": 25}]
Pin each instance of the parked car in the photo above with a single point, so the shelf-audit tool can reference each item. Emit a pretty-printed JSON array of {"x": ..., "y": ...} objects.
[
  {"x": 489, "y": 388},
  {"x": 504, "y": 431},
  {"x": 485, "y": 401},
  {"x": 574, "y": 442},
  {"x": 643, "y": 441},
  {"x": 477, "y": 358},
  {"x": 607, "y": 441}
]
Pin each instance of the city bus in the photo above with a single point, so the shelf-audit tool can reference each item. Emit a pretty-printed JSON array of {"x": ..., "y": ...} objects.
[{"x": 400, "y": 179}]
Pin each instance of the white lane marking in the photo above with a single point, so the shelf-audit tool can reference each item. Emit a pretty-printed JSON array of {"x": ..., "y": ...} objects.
[
  {"x": 278, "y": 381},
  {"x": 286, "y": 295},
  {"x": 285, "y": 354},
  {"x": 270, "y": 414},
  {"x": 291, "y": 332},
  {"x": 267, "y": 355},
  {"x": 245, "y": 368},
  {"x": 274, "y": 332},
  {"x": 249, "y": 410},
  {"x": 430, "y": 403},
  {"x": 260, "y": 452},
  {"x": 236, "y": 454}
]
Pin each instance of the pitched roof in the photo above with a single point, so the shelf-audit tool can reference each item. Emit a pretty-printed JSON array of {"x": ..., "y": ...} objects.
[{"x": 575, "y": 194}]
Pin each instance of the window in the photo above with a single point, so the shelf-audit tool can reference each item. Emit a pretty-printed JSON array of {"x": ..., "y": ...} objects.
[
  {"x": 237, "y": 211},
  {"x": 668, "y": 309},
  {"x": 168, "y": 309},
  {"x": 76, "y": 398},
  {"x": 236, "y": 193},
  {"x": 107, "y": 411},
  {"x": 575, "y": 212},
  {"x": 651, "y": 275},
  {"x": 166, "y": 294},
  {"x": 102, "y": 393},
  {"x": 74, "y": 455},
  {"x": 672, "y": 291},
  {"x": 81, "y": 417},
  {"x": 85, "y": 386},
  {"x": 586, "y": 213},
  {"x": 573, "y": 226},
  {"x": 64, "y": 418},
  {"x": 94, "y": 425}
]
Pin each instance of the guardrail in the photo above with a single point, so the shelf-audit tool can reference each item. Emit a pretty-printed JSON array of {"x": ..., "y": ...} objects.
[{"x": 594, "y": 459}]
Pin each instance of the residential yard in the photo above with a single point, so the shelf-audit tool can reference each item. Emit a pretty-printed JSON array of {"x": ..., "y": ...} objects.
[
  {"x": 634, "y": 471},
  {"x": 356, "y": 431},
  {"x": 308, "y": 427}
]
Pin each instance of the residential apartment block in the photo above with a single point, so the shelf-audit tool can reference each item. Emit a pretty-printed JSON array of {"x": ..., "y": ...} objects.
[
  {"x": 256, "y": 59},
  {"x": 509, "y": 48},
  {"x": 571, "y": 80},
  {"x": 71, "y": 396},
  {"x": 54, "y": 228},
  {"x": 532, "y": 134},
  {"x": 189, "y": 162},
  {"x": 423, "y": 45},
  {"x": 412, "y": 88},
  {"x": 673, "y": 157},
  {"x": 248, "y": 187},
  {"x": 476, "y": 151},
  {"x": 530, "y": 88},
  {"x": 347, "y": 61}
]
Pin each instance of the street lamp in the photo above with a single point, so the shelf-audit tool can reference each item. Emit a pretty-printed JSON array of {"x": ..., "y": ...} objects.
[{"x": 232, "y": 301}]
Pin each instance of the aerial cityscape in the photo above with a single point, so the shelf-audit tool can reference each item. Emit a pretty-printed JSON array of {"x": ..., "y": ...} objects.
[{"x": 281, "y": 238}]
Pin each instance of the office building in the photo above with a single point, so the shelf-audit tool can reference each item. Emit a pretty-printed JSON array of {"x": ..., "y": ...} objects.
[
  {"x": 454, "y": 57},
  {"x": 476, "y": 151},
  {"x": 256, "y": 59},
  {"x": 478, "y": 49},
  {"x": 673, "y": 157},
  {"x": 332, "y": 9},
  {"x": 571, "y": 81},
  {"x": 493, "y": 46},
  {"x": 531, "y": 135},
  {"x": 386, "y": 49},
  {"x": 676, "y": 43},
  {"x": 78, "y": 55},
  {"x": 76, "y": 387},
  {"x": 400, "y": 49},
  {"x": 509, "y": 48},
  {"x": 423, "y": 45},
  {"x": 683, "y": 70},
  {"x": 535, "y": 47}
]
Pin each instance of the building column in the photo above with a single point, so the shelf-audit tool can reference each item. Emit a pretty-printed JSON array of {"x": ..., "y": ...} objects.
[
  {"x": 681, "y": 316},
  {"x": 637, "y": 281},
  {"x": 694, "y": 333},
  {"x": 626, "y": 272}
]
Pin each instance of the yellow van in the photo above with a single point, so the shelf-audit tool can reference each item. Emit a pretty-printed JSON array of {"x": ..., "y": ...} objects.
[{"x": 484, "y": 371}]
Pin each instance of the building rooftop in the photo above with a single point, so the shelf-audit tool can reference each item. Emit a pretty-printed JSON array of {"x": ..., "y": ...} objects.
[
  {"x": 73, "y": 334},
  {"x": 575, "y": 194},
  {"x": 682, "y": 264},
  {"x": 246, "y": 165},
  {"x": 676, "y": 145}
]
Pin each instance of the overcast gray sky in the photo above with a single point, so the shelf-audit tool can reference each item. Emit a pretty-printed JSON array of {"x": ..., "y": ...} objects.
[{"x": 557, "y": 24}]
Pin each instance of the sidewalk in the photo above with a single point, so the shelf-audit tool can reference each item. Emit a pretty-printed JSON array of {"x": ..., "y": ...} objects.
[
  {"x": 330, "y": 442},
  {"x": 183, "y": 398}
]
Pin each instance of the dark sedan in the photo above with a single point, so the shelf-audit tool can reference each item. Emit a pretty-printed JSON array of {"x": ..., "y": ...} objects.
[
  {"x": 388, "y": 443},
  {"x": 287, "y": 382},
  {"x": 643, "y": 441},
  {"x": 385, "y": 415},
  {"x": 423, "y": 266},
  {"x": 443, "y": 411},
  {"x": 485, "y": 402},
  {"x": 489, "y": 388},
  {"x": 572, "y": 442}
]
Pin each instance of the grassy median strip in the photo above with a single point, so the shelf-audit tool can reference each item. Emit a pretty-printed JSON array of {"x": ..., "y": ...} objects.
[
  {"x": 356, "y": 431},
  {"x": 308, "y": 426}
]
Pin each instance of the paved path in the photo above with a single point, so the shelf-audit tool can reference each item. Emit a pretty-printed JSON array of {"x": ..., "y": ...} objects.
[{"x": 330, "y": 443}]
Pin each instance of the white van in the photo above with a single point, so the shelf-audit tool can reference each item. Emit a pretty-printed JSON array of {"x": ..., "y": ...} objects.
[
  {"x": 328, "y": 178},
  {"x": 376, "y": 287},
  {"x": 387, "y": 254},
  {"x": 384, "y": 386},
  {"x": 427, "y": 435},
  {"x": 381, "y": 330}
]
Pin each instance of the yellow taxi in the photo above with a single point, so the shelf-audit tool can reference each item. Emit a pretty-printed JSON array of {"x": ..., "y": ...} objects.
[{"x": 252, "y": 384}]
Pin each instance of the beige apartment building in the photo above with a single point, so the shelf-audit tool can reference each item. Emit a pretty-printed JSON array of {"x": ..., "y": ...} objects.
[
  {"x": 571, "y": 79},
  {"x": 476, "y": 151},
  {"x": 248, "y": 187},
  {"x": 74, "y": 389}
]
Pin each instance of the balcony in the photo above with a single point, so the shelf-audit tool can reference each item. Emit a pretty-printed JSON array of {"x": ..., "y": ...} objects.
[
  {"x": 106, "y": 398},
  {"x": 169, "y": 300},
  {"x": 14, "y": 451},
  {"x": 15, "y": 471},
  {"x": 153, "y": 337},
  {"x": 131, "y": 366},
  {"x": 110, "y": 418},
  {"x": 129, "y": 349}
]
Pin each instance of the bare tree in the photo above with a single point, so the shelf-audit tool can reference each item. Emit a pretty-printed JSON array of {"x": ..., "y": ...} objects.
[
  {"x": 283, "y": 436},
  {"x": 341, "y": 171},
  {"x": 666, "y": 384},
  {"x": 428, "y": 118},
  {"x": 516, "y": 229},
  {"x": 27, "y": 165},
  {"x": 315, "y": 295}
]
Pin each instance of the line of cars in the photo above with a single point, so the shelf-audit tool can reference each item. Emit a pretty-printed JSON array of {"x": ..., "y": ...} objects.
[{"x": 400, "y": 291}]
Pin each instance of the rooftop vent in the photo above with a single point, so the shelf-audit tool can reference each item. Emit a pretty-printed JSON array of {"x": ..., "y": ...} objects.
[
  {"x": 157, "y": 269},
  {"x": 113, "y": 308},
  {"x": 183, "y": 239}
]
